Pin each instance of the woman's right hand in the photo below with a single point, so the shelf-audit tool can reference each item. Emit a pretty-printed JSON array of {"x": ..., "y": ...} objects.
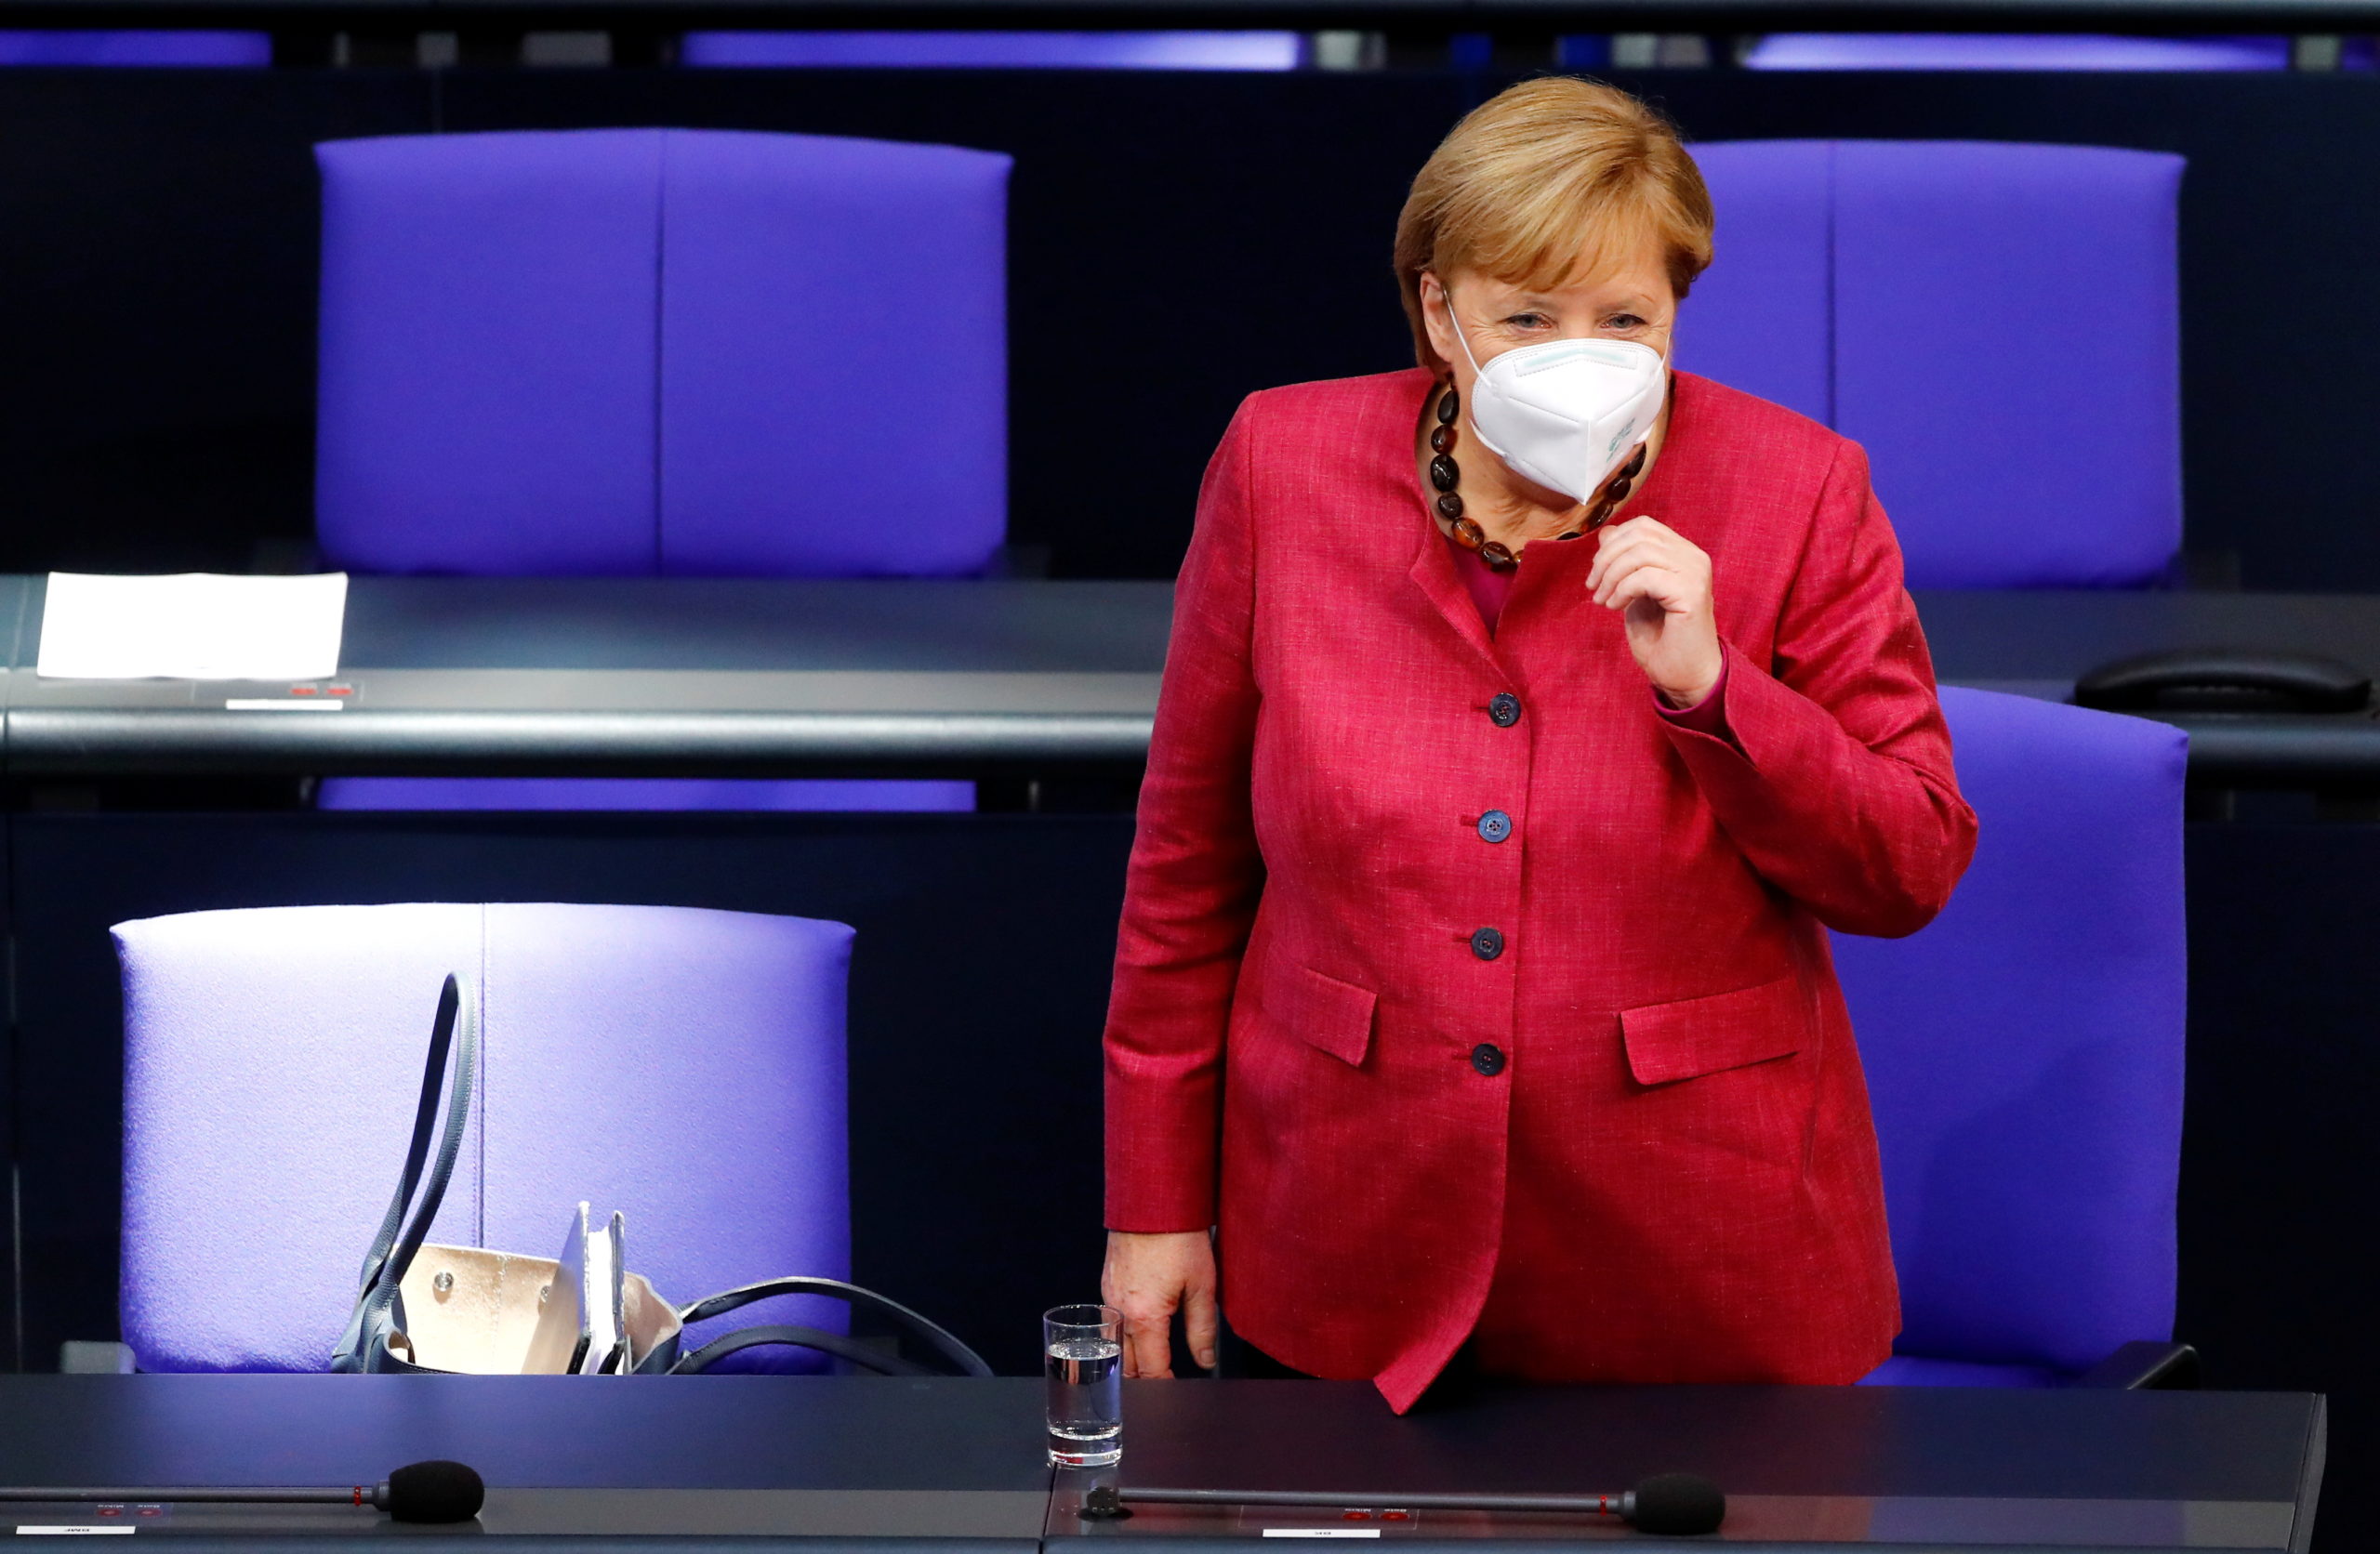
[{"x": 1149, "y": 1277}]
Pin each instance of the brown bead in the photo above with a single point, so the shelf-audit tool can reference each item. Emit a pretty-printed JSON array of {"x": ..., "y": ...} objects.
[
  {"x": 1450, "y": 506},
  {"x": 1636, "y": 465},
  {"x": 1598, "y": 520},
  {"x": 1445, "y": 473},
  {"x": 1468, "y": 533},
  {"x": 1571, "y": 535},
  {"x": 1442, "y": 439},
  {"x": 1496, "y": 555},
  {"x": 1617, "y": 492},
  {"x": 1449, "y": 407}
]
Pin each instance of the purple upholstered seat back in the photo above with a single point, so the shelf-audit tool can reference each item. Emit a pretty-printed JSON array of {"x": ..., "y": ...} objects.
[
  {"x": 1895, "y": 290},
  {"x": 674, "y": 351},
  {"x": 2025, "y": 1051},
  {"x": 685, "y": 1067},
  {"x": 992, "y": 50},
  {"x": 134, "y": 47}
]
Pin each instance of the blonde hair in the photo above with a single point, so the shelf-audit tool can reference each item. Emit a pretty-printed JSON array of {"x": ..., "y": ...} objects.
[{"x": 1542, "y": 184}]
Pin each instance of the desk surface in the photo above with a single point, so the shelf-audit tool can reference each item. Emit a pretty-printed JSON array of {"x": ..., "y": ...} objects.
[
  {"x": 700, "y": 676},
  {"x": 952, "y": 1460}
]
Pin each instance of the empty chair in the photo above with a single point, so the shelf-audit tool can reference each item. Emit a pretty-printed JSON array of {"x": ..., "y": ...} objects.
[
  {"x": 685, "y": 1067},
  {"x": 134, "y": 48},
  {"x": 2024, "y": 1057},
  {"x": 636, "y": 353},
  {"x": 976, "y": 50},
  {"x": 2011, "y": 51},
  {"x": 1998, "y": 324}
]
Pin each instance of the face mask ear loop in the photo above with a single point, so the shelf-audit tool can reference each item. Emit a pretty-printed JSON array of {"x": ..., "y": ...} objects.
[{"x": 1446, "y": 295}]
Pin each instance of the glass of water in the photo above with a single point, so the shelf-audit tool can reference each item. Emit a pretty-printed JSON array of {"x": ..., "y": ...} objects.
[{"x": 1082, "y": 1353}]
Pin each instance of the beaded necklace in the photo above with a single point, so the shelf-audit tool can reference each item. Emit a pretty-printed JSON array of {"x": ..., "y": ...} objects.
[{"x": 1447, "y": 475}]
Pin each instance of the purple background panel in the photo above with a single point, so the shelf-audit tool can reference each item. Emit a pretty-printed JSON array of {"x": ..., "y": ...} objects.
[
  {"x": 487, "y": 353},
  {"x": 2007, "y": 348},
  {"x": 684, "y": 1066},
  {"x": 2025, "y": 1052},
  {"x": 644, "y": 793},
  {"x": 834, "y": 362},
  {"x": 1761, "y": 317},
  {"x": 137, "y": 48},
  {"x": 270, "y": 1062},
  {"x": 2011, "y": 51},
  {"x": 974, "y": 50}
]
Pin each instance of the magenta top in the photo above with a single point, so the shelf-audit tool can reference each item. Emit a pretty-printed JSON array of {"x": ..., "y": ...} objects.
[{"x": 1488, "y": 588}]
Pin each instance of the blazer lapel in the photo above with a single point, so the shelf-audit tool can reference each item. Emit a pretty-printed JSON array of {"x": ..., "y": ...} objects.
[{"x": 1433, "y": 572}]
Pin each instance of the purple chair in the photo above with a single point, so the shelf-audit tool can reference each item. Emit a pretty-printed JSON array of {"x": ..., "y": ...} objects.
[
  {"x": 135, "y": 48},
  {"x": 2011, "y": 51},
  {"x": 928, "y": 50},
  {"x": 1894, "y": 290},
  {"x": 526, "y": 370},
  {"x": 684, "y": 1066},
  {"x": 2024, "y": 1055}
]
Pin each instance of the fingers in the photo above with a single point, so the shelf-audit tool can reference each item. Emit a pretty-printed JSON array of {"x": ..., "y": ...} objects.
[
  {"x": 1198, "y": 1317},
  {"x": 1654, "y": 585},
  {"x": 1149, "y": 1344},
  {"x": 1639, "y": 546},
  {"x": 1144, "y": 1277},
  {"x": 1678, "y": 589}
]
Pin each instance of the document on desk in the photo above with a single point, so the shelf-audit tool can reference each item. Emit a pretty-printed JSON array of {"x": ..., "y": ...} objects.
[{"x": 191, "y": 626}]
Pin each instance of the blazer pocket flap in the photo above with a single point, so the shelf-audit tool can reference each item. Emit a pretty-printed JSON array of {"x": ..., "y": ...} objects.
[
  {"x": 1323, "y": 1011},
  {"x": 1668, "y": 1042}
]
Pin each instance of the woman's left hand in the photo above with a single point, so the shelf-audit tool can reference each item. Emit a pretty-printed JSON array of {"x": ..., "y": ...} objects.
[{"x": 1660, "y": 581}]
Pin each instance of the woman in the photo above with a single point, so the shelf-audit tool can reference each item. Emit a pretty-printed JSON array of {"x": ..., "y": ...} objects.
[{"x": 1526, "y": 717}]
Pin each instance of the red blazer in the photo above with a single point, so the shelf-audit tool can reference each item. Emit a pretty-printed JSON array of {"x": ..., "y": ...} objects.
[{"x": 1629, "y": 1142}]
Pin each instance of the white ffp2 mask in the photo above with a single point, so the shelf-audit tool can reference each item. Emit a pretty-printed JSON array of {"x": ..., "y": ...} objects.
[{"x": 1564, "y": 413}]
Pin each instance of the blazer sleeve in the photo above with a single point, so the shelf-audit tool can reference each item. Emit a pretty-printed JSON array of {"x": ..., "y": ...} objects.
[
  {"x": 1837, "y": 782},
  {"x": 1191, "y": 891}
]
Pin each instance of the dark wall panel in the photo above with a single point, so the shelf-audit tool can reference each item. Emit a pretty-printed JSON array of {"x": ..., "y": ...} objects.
[
  {"x": 2279, "y": 1153},
  {"x": 157, "y": 233}
]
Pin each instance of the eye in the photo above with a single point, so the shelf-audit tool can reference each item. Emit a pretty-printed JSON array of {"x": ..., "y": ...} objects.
[
  {"x": 1528, "y": 321},
  {"x": 1624, "y": 323}
]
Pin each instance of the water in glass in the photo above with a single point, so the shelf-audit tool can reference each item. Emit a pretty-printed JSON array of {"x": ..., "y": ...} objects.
[{"x": 1086, "y": 1401}]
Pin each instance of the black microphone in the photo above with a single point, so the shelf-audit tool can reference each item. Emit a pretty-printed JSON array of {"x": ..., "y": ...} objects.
[
  {"x": 1672, "y": 1505},
  {"x": 425, "y": 1492}
]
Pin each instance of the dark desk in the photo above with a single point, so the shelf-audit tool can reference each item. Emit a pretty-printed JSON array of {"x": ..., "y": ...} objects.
[
  {"x": 1815, "y": 1465},
  {"x": 959, "y": 1462},
  {"x": 932, "y": 1463},
  {"x": 695, "y": 677}
]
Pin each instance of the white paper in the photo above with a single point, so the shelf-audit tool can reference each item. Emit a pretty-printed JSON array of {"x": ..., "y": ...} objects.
[{"x": 193, "y": 626}]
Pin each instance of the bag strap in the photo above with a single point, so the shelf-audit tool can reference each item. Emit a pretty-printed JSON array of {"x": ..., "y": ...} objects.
[
  {"x": 454, "y": 1032},
  {"x": 966, "y": 1360},
  {"x": 836, "y": 1344}
]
